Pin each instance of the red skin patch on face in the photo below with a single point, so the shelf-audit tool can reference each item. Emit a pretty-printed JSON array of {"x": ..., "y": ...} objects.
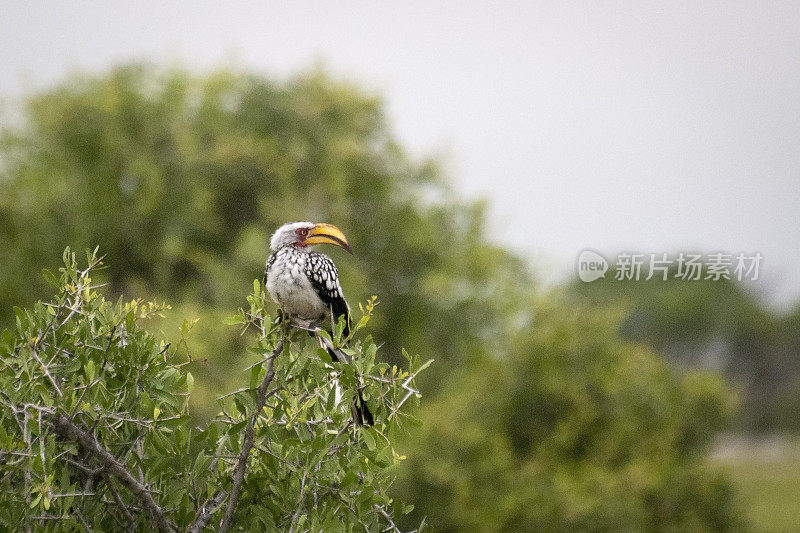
[{"x": 302, "y": 233}]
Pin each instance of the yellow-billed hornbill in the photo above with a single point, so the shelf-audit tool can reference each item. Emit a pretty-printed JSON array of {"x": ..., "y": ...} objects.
[{"x": 305, "y": 284}]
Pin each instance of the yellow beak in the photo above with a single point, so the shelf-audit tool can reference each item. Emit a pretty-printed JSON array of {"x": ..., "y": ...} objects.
[{"x": 328, "y": 233}]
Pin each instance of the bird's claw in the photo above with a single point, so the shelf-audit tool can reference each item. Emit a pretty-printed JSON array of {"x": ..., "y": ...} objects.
[{"x": 307, "y": 325}]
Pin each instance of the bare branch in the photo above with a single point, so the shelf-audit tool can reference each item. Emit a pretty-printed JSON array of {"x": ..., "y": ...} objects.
[
  {"x": 68, "y": 430},
  {"x": 47, "y": 372},
  {"x": 399, "y": 405},
  {"x": 388, "y": 517},
  {"x": 247, "y": 442}
]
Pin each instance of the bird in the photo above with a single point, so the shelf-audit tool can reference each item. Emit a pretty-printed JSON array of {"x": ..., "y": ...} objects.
[{"x": 305, "y": 285}]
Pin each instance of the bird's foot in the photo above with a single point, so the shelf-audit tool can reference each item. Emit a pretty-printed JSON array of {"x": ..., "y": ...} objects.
[{"x": 307, "y": 325}]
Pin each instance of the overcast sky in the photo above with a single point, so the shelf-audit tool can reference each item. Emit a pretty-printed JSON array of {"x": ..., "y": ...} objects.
[{"x": 608, "y": 125}]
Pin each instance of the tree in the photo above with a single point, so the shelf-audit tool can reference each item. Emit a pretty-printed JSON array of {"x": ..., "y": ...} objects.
[
  {"x": 181, "y": 180},
  {"x": 96, "y": 432},
  {"x": 573, "y": 430},
  {"x": 717, "y": 325}
]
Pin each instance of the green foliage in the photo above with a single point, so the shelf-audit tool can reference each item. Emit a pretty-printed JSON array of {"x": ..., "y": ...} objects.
[
  {"x": 181, "y": 179},
  {"x": 574, "y": 430},
  {"x": 716, "y": 325},
  {"x": 83, "y": 365}
]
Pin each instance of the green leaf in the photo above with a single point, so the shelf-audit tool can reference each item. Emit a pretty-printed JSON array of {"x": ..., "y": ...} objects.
[
  {"x": 90, "y": 370},
  {"x": 233, "y": 320},
  {"x": 50, "y": 278},
  {"x": 369, "y": 440},
  {"x": 8, "y": 339},
  {"x": 425, "y": 365},
  {"x": 324, "y": 355},
  {"x": 255, "y": 376},
  {"x": 187, "y": 326}
]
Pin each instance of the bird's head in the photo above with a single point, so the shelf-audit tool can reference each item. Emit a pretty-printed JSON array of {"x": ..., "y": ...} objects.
[{"x": 302, "y": 234}]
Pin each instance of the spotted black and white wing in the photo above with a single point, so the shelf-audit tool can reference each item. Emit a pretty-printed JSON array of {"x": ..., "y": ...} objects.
[
  {"x": 325, "y": 280},
  {"x": 270, "y": 260}
]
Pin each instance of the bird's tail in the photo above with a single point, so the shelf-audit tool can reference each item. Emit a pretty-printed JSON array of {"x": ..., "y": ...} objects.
[{"x": 361, "y": 413}]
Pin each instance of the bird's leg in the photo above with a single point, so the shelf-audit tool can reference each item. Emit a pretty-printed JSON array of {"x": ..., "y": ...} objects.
[{"x": 307, "y": 325}]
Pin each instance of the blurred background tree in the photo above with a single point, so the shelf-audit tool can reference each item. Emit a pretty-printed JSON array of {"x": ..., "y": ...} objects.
[
  {"x": 574, "y": 430},
  {"x": 538, "y": 414},
  {"x": 715, "y": 325},
  {"x": 182, "y": 180}
]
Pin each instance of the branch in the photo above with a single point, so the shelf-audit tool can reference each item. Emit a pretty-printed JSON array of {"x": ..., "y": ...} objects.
[
  {"x": 120, "y": 503},
  {"x": 388, "y": 517},
  {"x": 68, "y": 430},
  {"x": 82, "y": 520},
  {"x": 203, "y": 515},
  {"x": 47, "y": 372},
  {"x": 300, "y": 504},
  {"x": 247, "y": 442},
  {"x": 206, "y": 510}
]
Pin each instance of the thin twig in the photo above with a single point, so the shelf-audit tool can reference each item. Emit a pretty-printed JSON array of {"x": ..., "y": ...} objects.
[
  {"x": 90, "y": 471},
  {"x": 73, "y": 494},
  {"x": 47, "y": 372},
  {"x": 299, "y": 504},
  {"x": 388, "y": 518},
  {"x": 205, "y": 511},
  {"x": 68, "y": 430},
  {"x": 247, "y": 442},
  {"x": 399, "y": 405},
  {"x": 83, "y": 521},
  {"x": 120, "y": 503}
]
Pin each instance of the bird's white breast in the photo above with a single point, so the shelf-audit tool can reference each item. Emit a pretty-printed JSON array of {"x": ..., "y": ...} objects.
[{"x": 290, "y": 288}]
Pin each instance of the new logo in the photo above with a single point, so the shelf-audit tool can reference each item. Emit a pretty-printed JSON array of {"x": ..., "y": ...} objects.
[{"x": 591, "y": 266}]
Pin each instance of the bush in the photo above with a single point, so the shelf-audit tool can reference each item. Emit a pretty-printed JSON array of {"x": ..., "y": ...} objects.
[
  {"x": 96, "y": 432},
  {"x": 573, "y": 430}
]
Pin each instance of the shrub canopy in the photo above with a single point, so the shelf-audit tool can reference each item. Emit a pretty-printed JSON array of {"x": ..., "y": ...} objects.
[{"x": 95, "y": 428}]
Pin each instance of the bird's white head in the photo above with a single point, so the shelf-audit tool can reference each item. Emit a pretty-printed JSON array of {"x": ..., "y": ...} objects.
[{"x": 303, "y": 234}]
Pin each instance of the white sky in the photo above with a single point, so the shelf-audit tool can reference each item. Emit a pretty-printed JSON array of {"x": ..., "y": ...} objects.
[{"x": 608, "y": 125}]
